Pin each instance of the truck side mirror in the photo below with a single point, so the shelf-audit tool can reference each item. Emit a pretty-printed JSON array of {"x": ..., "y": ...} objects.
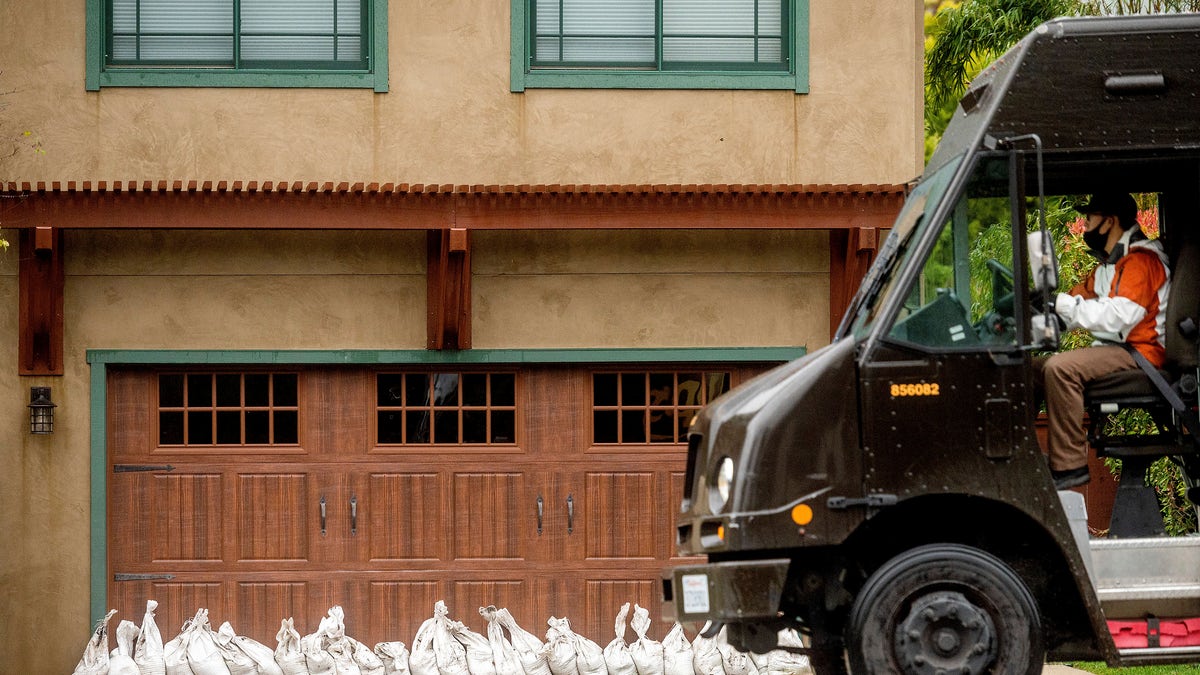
[
  {"x": 1043, "y": 267},
  {"x": 1043, "y": 264}
]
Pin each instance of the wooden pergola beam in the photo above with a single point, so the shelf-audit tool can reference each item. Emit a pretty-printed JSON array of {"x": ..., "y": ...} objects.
[{"x": 381, "y": 210}]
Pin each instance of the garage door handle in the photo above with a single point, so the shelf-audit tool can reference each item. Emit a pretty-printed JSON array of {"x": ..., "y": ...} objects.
[
  {"x": 570, "y": 514},
  {"x": 322, "y": 515},
  {"x": 540, "y": 507},
  {"x": 353, "y": 516}
]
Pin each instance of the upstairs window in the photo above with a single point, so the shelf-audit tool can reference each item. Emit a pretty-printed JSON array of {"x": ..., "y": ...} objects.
[
  {"x": 662, "y": 43},
  {"x": 239, "y": 43},
  {"x": 660, "y": 34}
]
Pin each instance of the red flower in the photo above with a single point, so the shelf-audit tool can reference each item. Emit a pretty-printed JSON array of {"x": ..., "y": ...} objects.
[{"x": 1148, "y": 220}]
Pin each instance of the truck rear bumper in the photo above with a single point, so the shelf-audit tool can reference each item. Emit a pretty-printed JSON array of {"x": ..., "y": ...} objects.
[{"x": 724, "y": 592}]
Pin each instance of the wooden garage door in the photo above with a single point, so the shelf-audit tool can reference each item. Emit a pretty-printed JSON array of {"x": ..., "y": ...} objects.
[{"x": 265, "y": 494}]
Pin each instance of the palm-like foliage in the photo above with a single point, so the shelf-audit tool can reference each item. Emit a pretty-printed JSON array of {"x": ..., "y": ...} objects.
[{"x": 970, "y": 35}]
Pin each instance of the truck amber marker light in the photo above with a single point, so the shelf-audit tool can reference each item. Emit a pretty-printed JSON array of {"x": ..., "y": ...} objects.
[{"x": 802, "y": 514}]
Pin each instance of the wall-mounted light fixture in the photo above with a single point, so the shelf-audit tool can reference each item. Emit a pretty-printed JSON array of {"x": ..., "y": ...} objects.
[{"x": 41, "y": 411}]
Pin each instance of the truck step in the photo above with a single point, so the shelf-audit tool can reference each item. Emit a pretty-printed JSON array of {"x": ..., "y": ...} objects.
[{"x": 1136, "y": 578}]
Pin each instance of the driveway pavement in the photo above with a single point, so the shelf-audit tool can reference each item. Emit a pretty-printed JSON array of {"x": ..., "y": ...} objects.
[{"x": 1055, "y": 669}]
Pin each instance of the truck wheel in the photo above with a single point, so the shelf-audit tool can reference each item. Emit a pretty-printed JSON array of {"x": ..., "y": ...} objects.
[{"x": 945, "y": 608}]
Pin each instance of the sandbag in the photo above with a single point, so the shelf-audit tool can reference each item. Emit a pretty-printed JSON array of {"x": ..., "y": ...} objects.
[
  {"x": 504, "y": 656},
  {"x": 449, "y": 653},
  {"x": 288, "y": 654},
  {"x": 706, "y": 658},
  {"x": 237, "y": 661},
  {"x": 561, "y": 657},
  {"x": 120, "y": 664},
  {"x": 148, "y": 648},
  {"x": 534, "y": 654},
  {"x": 589, "y": 657},
  {"x": 261, "y": 654},
  {"x": 677, "y": 653},
  {"x": 337, "y": 644},
  {"x": 477, "y": 648},
  {"x": 127, "y": 634},
  {"x": 342, "y": 651},
  {"x": 121, "y": 661},
  {"x": 175, "y": 660},
  {"x": 95, "y": 653},
  {"x": 616, "y": 655},
  {"x": 203, "y": 655},
  {"x": 319, "y": 661},
  {"x": 735, "y": 661},
  {"x": 394, "y": 656},
  {"x": 647, "y": 654},
  {"x": 368, "y": 663},
  {"x": 422, "y": 660},
  {"x": 783, "y": 662}
]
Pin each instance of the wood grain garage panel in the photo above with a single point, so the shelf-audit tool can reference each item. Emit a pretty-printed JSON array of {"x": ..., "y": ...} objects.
[
  {"x": 259, "y": 606},
  {"x": 397, "y": 609},
  {"x": 621, "y": 520},
  {"x": 272, "y": 523},
  {"x": 407, "y": 523},
  {"x": 486, "y": 524},
  {"x": 187, "y": 518}
]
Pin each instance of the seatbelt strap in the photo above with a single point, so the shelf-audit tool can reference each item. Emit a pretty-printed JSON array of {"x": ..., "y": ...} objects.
[{"x": 1164, "y": 388}]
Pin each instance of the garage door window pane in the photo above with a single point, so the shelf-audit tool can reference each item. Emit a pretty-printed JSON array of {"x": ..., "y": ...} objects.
[
  {"x": 286, "y": 424},
  {"x": 650, "y": 407},
  {"x": 423, "y": 408},
  {"x": 228, "y": 409},
  {"x": 170, "y": 391},
  {"x": 170, "y": 428}
]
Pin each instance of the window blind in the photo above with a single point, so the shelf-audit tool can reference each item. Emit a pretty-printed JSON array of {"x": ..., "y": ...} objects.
[
  {"x": 235, "y": 33},
  {"x": 658, "y": 33}
]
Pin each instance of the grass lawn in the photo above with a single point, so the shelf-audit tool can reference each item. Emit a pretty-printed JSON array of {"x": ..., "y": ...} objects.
[{"x": 1101, "y": 669}]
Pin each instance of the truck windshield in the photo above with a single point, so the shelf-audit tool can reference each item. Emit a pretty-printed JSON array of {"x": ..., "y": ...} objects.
[
  {"x": 962, "y": 297},
  {"x": 916, "y": 216}
]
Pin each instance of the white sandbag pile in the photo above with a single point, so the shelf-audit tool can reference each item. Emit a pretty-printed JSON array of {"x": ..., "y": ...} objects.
[{"x": 442, "y": 646}]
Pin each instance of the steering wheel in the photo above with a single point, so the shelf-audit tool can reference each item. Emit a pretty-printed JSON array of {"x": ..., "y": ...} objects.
[
  {"x": 1002, "y": 277},
  {"x": 998, "y": 321}
]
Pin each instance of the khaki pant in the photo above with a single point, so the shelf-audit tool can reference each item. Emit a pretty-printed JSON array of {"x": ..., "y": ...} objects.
[{"x": 1062, "y": 377}]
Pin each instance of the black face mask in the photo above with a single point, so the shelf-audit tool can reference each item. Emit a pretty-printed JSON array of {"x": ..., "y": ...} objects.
[{"x": 1096, "y": 241}]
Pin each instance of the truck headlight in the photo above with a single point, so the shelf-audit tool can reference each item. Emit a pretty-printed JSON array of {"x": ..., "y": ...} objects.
[{"x": 723, "y": 482}]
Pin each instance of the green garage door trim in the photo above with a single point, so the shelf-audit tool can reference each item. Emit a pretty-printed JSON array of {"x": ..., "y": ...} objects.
[{"x": 100, "y": 359}]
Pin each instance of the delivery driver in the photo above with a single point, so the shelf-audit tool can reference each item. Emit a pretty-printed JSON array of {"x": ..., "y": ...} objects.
[{"x": 1123, "y": 300}]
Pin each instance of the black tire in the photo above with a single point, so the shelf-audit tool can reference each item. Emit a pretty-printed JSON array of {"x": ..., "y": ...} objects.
[{"x": 948, "y": 608}]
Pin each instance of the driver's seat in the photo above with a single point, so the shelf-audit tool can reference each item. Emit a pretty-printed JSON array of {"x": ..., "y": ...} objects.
[{"x": 1136, "y": 512}]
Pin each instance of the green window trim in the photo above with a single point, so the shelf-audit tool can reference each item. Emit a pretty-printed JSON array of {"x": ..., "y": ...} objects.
[
  {"x": 101, "y": 359},
  {"x": 522, "y": 76},
  {"x": 99, "y": 74}
]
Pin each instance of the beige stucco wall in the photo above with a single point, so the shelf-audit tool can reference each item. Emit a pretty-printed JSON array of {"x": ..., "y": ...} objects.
[
  {"x": 650, "y": 289},
  {"x": 449, "y": 116}
]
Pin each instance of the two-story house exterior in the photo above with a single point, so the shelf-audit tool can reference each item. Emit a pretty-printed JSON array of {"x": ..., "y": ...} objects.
[{"x": 378, "y": 303}]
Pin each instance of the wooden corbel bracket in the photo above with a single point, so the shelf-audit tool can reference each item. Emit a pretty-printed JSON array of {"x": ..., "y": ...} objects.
[
  {"x": 40, "y": 288},
  {"x": 448, "y": 280}
]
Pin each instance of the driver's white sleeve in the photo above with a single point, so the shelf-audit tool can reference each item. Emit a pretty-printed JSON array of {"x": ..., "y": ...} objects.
[{"x": 1106, "y": 317}]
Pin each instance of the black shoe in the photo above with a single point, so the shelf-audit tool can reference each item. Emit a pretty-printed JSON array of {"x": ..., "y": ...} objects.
[{"x": 1070, "y": 478}]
